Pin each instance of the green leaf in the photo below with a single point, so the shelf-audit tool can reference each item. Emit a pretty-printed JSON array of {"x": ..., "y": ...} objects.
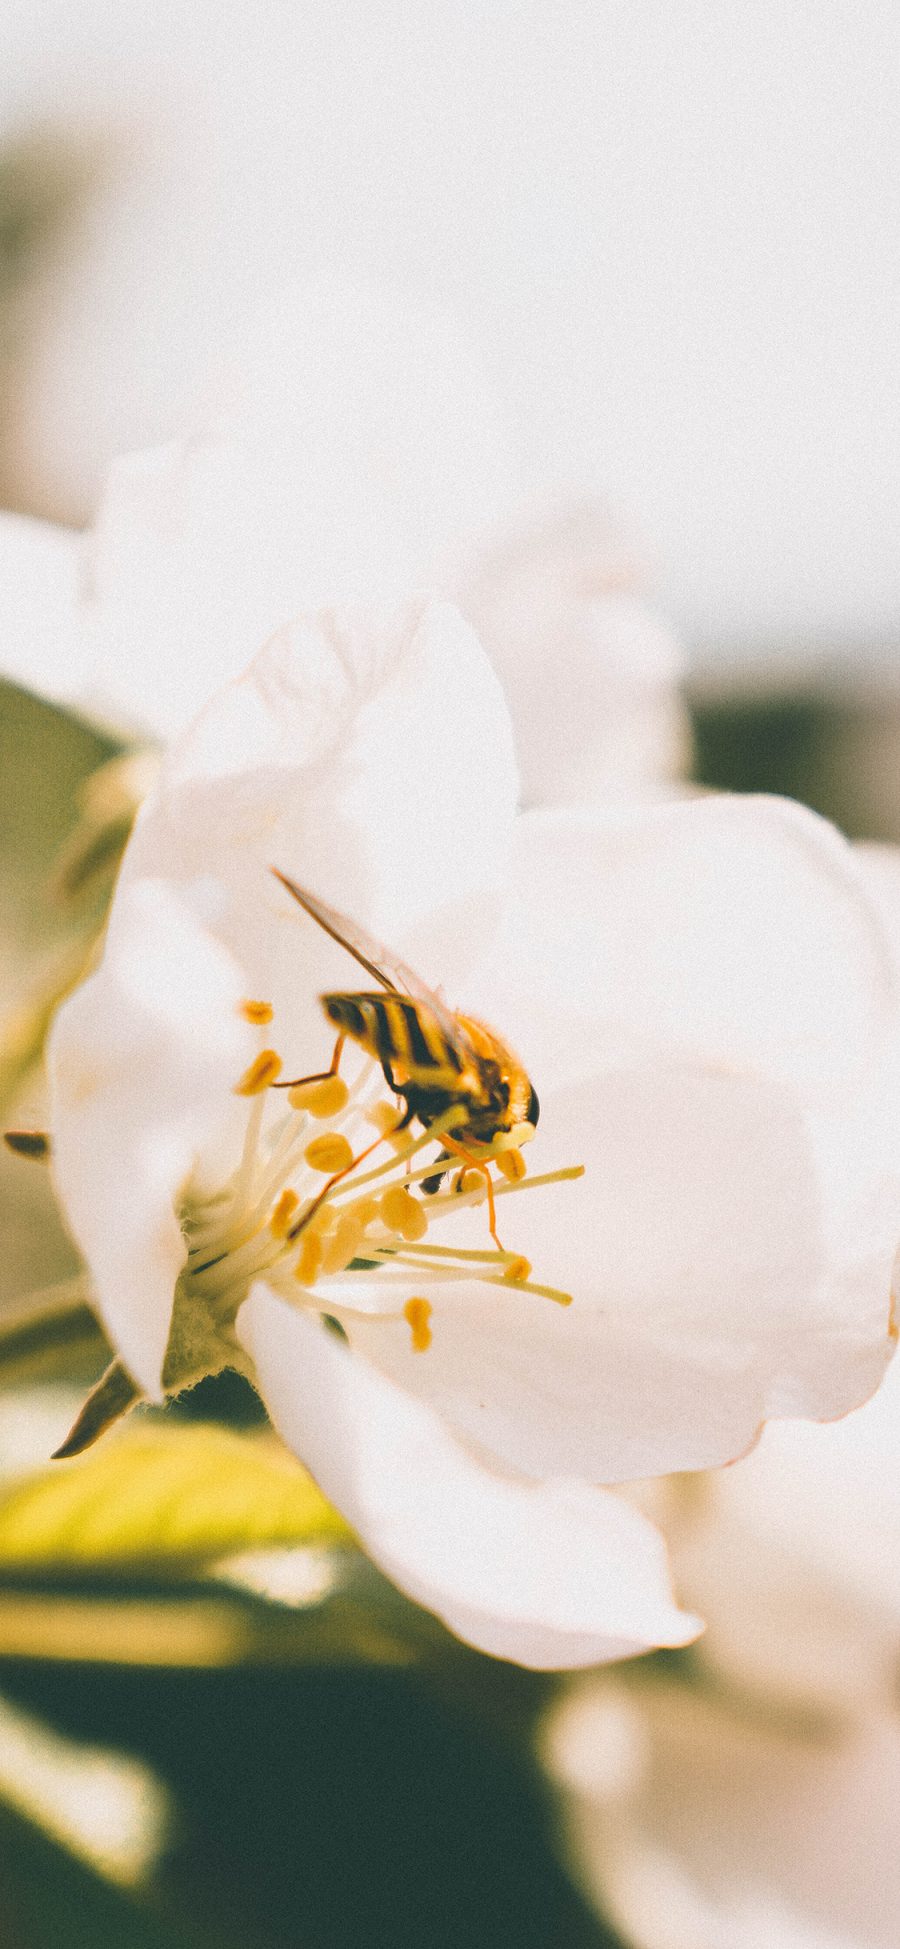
[{"x": 161, "y": 1493}]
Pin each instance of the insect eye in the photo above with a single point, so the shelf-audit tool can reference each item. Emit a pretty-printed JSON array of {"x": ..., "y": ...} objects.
[{"x": 534, "y": 1108}]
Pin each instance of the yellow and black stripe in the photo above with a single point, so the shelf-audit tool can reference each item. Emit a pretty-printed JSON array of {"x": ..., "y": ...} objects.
[{"x": 399, "y": 1031}]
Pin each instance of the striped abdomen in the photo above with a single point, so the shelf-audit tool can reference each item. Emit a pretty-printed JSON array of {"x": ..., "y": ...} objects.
[{"x": 404, "y": 1034}]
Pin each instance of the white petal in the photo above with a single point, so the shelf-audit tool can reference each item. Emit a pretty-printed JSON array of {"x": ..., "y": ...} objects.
[
  {"x": 549, "y": 606},
  {"x": 347, "y": 447},
  {"x": 39, "y": 646},
  {"x": 552, "y": 1576},
  {"x": 812, "y": 1520},
  {"x": 141, "y": 1062},
  {"x": 736, "y": 930},
  {"x": 739, "y": 1834},
  {"x": 725, "y": 1267},
  {"x": 370, "y": 758}
]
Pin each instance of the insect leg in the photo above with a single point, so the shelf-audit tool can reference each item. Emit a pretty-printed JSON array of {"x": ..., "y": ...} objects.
[
  {"x": 478, "y": 1164},
  {"x": 319, "y": 1075}
]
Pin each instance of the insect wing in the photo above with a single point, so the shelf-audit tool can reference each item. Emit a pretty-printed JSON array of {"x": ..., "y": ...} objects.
[{"x": 378, "y": 961}]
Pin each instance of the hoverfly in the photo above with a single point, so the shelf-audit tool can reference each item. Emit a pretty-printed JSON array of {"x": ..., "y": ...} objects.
[{"x": 432, "y": 1057}]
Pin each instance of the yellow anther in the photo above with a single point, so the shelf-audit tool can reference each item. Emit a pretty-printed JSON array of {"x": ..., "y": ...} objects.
[
  {"x": 403, "y": 1213},
  {"x": 260, "y": 1075},
  {"x": 470, "y": 1180},
  {"x": 342, "y": 1244},
  {"x": 517, "y": 1270},
  {"x": 322, "y": 1096},
  {"x": 418, "y": 1314},
  {"x": 511, "y": 1165},
  {"x": 260, "y": 1012},
  {"x": 280, "y": 1221},
  {"x": 387, "y": 1118},
  {"x": 329, "y": 1153},
  {"x": 365, "y": 1211},
  {"x": 309, "y": 1260}
]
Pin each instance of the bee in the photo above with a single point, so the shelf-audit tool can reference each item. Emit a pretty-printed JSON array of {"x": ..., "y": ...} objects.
[{"x": 432, "y": 1057}]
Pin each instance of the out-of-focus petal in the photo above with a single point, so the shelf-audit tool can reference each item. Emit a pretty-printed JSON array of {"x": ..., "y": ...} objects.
[
  {"x": 738, "y": 1832},
  {"x": 796, "y": 1558},
  {"x": 142, "y": 1059},
  {"x": 345, "y": 448},
  {"x": 39, "y": 644},
  {"x": 552, "y": 1576},
  {"x": 553, "y": 605}
]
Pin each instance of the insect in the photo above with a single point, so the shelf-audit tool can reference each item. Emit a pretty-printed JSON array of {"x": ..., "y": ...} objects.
[{"x": 432, "y": 1057}]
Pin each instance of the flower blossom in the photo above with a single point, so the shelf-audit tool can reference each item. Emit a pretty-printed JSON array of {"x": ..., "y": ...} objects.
[
  {"x": 754, "y": 1799},
  {"x": 355, "y": 452},
  {"x": 699, "y": 1236},
  {"x": 693, "y": 1820}
]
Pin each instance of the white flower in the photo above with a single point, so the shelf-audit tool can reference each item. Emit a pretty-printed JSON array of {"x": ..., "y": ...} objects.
[
  {"x": 355, "y": 453},
  {"x": 704, "y": 997},
  {"x": 349, "y": 452},
  {"x": 555, "y": 606},
  {"x": 699, "y": 1824}
]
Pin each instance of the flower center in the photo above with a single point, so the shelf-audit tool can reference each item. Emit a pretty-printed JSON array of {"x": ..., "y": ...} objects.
[{"x": 334, "y": 1200}]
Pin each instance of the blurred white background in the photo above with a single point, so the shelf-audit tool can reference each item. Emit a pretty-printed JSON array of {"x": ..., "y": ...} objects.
[{"x": 671, "y": 229}]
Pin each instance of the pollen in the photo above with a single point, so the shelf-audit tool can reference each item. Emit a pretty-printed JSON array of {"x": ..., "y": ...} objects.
[
  {"x": 309, "y": 1260},
  {"x": 387, "y": 1118},
  {"x": 321, "y": 1096},
  {"x": 342, "y": 1245},
  {"x": 260, "y": 1075},
  {"x": 260, "y": 1012},
  {"x": 470, "y": 1180},
  {"x": 417, "y": 1313},
  {"x": 511, "y": 1165},
  {"x": 366, "y": 1210},
  {"x": 517, "y": 1270},
  {"x": 403, "y": 1213},
  {"x": 280, "y": 1221},
  {"x": 329, "y": 1153}
]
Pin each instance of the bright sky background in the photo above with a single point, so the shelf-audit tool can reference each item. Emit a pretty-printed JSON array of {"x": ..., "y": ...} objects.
[{"x": 673, "y": 226}]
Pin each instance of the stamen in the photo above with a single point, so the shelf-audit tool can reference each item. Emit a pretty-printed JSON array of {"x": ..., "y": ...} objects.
[
  {"x": 329, "y": 1153},
  {"x": 280, "y": 1221},
  {"x": 322, "y": 1096},
  {"x": 418, "y": 1314},
  {"x": 309, "y": 1261},
  {"x": 466, "y": 1255},
  {"x": 470, "y": 1180},
  {"x": 342, "y": 1244},
  {"x": 517, "y": 1271},
  {"x": 528, "y": 1286},
  {"x": 367, "y": 1210},
  {"x": 511, "y": 1165},
  {"x": 389, "y": 1120},
  {"x": 260, "y": 1012},
  {"x": 403, "y": 1213},
  {"x": 260, "y": 1075}
]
